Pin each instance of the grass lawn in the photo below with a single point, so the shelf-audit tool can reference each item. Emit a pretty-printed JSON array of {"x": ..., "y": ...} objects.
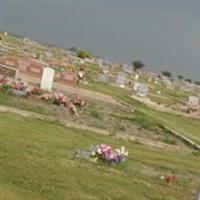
[
  {"x": 37, "y": 163},
  {"x": 187, "y": 126}
]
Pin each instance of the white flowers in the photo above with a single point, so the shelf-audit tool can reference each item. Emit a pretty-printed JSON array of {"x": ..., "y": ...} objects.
[
  {"x": 103, "y": 153},
  {"x": 122, "y": 151}
]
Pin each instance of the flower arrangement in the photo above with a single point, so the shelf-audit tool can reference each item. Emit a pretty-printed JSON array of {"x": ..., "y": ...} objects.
[
  {"x": 104, "y": 153},
  {"x": 169, "y": 179}
]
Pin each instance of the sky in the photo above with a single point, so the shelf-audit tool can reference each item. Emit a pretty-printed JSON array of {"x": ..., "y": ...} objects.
[{"x": 164, "y": 34}]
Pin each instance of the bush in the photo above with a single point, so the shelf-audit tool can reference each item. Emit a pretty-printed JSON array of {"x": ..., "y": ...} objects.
[
  {"x": 5, "y": 88},
  {"x": 83, "y": 54}
]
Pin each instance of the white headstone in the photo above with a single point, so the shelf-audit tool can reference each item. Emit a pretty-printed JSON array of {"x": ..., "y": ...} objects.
[
  {"x": 137, "y": 76},
  {"x": 47, "y": 79},
  {"x": 135, "y": 86},
  {"x": 121, "y": 79},
  {"x": 140, "y": 89}
]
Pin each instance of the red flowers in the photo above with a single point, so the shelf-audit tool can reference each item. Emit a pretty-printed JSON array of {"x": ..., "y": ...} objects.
[{"x": 170, "y": 179}]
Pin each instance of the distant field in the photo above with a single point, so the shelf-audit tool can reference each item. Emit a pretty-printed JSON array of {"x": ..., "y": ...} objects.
[{"x": 37, "y": 163}]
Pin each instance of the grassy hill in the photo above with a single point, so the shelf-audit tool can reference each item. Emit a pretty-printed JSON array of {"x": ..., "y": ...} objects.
[
  {"x": 186, "y": 126},
  {"x": 37, "y": 162}
]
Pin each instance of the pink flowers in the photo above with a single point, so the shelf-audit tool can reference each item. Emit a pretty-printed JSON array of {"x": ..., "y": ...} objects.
[{"x": 106, "y": 153}]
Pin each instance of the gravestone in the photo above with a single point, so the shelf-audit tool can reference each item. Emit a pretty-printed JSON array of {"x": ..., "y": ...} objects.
[
  {"x": 9, "y": 72},
  {"x": 140, "y": 90},
  {"x": 188, "y": 87},
  {"x": 137, "y": 76},
  {"x": 121, "y": 79},
  {"x": 168, "y": 83},
  {"x": 47, "y": 79}
]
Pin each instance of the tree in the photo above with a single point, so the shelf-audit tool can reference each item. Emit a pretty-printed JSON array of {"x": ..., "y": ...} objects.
[
  {"x": 83, "y": 54},
  {"x": 188, "y": 80},
  {"x": 138, "y": 64},
  {"x": 197, "y": 82},
  {"x": 167, "y": 74},
  {"x": 180, "y": 77}
]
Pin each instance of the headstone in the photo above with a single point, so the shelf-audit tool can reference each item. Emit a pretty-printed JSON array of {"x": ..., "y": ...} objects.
[
  {"x": 121, "y": 78},
  {"x": 26, "y": 40},
  {"x": 48, "y": 54},
  {"x": 168, "y": 83},
  {"x": 188, "y": 87},
  {"x": 135, "y": 86},
  {"x": 47, "y": 79},
  {"x": 141, "y": 90},
  {"x": 193, "y": 101},
  {"x": 137, "y": 76},
  {"x": 9, "y": 72}
]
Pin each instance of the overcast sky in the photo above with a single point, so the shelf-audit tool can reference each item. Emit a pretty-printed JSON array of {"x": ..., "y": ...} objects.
[{"x": 164, "y": 34}]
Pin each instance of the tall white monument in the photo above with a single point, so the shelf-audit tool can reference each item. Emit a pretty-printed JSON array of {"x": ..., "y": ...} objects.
[{"x": 47, "y": 79}]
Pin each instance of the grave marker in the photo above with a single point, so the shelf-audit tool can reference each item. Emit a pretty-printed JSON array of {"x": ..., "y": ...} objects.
[
  {"x": 47, "y": 79},
  {"x": 140, "y": 90},
  {"x": 121, "y": 78},
  {"x": 7, "y": 71}
]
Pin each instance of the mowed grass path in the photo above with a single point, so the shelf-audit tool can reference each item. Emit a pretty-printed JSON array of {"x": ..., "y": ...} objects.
[{"x": 37, "y": 163}]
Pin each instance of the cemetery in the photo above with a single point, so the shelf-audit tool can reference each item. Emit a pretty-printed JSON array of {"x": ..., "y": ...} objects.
[{"x": 102, "y": 139}]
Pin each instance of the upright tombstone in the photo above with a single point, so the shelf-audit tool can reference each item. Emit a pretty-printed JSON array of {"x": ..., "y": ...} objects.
[
  {"x": 137, "y": 76},
  {"x": 8, "y": 71},
  {"x": 140, "y": 90},
  {"x": 47, "y": 79},
  {"x": 168, "y": 83},
  {"x": 121, "y": 78},
  {"x": 188, "y": 87}
]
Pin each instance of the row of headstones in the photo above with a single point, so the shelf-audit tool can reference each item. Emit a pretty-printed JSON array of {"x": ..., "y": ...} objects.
[
  {"x": 138, "y": 88},
  {"x": 46, "y": 80}
]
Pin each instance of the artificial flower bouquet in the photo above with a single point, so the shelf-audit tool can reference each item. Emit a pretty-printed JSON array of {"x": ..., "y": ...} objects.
[{"x": 104, "y": 153}]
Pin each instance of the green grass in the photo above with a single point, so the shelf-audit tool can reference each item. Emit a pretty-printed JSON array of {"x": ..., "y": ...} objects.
[
  {"x": 22, "y": 103},
  {"x": 14, "y": 41},
  {"x": 37, "y": 163},
  {"x": 186, "y": 126}
]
